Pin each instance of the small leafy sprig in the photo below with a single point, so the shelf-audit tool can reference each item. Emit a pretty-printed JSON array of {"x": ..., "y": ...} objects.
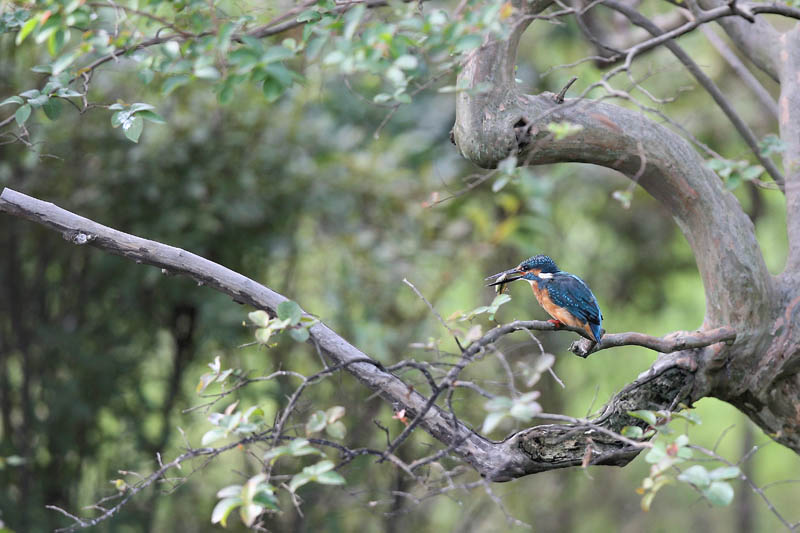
[
  {"x": 290, "y": 318},
  {"x": 668, "y": 455}
]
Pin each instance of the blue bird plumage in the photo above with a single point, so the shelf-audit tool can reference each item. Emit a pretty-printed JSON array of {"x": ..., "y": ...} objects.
[{"x": 564, "y": 296}]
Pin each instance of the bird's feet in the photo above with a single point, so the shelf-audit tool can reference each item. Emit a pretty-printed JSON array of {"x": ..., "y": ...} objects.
[{"x": 556, "y": 323}]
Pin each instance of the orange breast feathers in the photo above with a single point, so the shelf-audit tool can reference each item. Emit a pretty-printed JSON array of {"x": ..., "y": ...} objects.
[{"x": 559, "y": 313}]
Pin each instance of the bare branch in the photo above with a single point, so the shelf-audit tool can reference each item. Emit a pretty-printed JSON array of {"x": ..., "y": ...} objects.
[
  {"x": 744, "y": 130},
  {"x": 758, "y": 40},
  {"x": 741, "y": 70}
]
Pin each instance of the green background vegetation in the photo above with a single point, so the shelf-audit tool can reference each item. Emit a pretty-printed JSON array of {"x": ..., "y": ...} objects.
[{"x": 100, "y": 357}]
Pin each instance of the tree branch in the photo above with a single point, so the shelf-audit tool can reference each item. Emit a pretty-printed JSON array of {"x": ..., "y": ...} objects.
[
  {"x": 789, "y": 122},
  {"x": 501, "y": 121},
  {"x": 757, "y": 40},
  {"x": 744, "y": 130},
  {"x": 741, "y": 70},
  {"x": 497, "y": 461}
]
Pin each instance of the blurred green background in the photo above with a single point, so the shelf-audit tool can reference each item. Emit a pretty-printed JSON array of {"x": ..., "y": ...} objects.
[{"x": 99, "y": 357}]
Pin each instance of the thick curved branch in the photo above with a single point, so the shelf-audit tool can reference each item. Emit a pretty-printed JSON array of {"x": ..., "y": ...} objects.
[{"x": 494, "y": 124}]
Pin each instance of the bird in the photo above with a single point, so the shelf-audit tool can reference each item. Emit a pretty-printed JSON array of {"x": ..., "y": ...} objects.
[{"x": 564, "y": 296}]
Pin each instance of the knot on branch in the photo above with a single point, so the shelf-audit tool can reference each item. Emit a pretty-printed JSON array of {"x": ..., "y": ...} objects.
[
  {"x": 522, "y": 132},
  {"x": 79, "y": 237}
]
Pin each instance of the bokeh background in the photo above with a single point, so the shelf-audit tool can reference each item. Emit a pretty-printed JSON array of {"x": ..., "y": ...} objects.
[{"x": 99, "y": 357}]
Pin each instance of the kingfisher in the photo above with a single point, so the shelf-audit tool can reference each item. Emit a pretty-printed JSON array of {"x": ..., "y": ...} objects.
[{"x": 564, "y": 296}]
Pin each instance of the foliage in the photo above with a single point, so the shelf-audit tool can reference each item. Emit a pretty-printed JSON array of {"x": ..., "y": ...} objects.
[{"x": 668, "y": 457}]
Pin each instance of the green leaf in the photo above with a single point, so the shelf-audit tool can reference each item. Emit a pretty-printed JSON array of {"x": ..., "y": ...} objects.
[
  {"x": 320, "y": 467},
  {"x": 265, "y": 499},
  {"x": 309, "y": 15},
  {"x": 334, "y": 413},
  {"x": 719, "y": 493},
  {"x": 296, "y": 448},
  {"x": 725, "y": 472},
  {"x": 22, "y": 114},
  {"x": 263, "y": 335},
  {"x": 406, "y": 62},
  {"x": 632, "y": 432},
  {"x": 491, "y": 421},
  {"x": 689, "y": 417},
  {"x": 316, "y": 422},
  {"x": 352, "y": 20},
  {"x": 272, "y": 89},
  {"x": 333, "y": 58},
  {"x": 276, "y": 53},
  {"x": 140, "y": 106},
  {"x": 337, "y": 430},
  {"x": 259, "y": 318},
  {"x": 12, "y": 100},
  {"x": 133, "y": 129},
  {"x": 27, "y": 28},
  {"x": 52, "y": 108},
  {"x": 223, "y": 509},
  {"x": 230, "y": 491},
  {"x": 206, "y": 72},
  {"x": 212, "y": 435},
  {"x": 330, "y": 478},
  {"x": 771, "y": 144},
  {"x": 656, "y": 453},
  {"x": 146, "y": 75},
  {"x": 643, "y": 414},
  {"x": 172, "y": 83},
  {"x": 290, "y": 310},
  {"x": 753, "y": 172},
  {"x": 299, "y": 480},
  {"x": 63, "y": 62},
  {"x": 682, "y": 440},
  {"x": 39, "y": 101},
  {"x": 151, "y": 116},
  {"x": 697, "y": 475},
  {"x": 299, "y": 334},
  {"x": 501, "y": 182},
  {"x": 499, "y": 403},
  {"x": 524, "y": 411}
]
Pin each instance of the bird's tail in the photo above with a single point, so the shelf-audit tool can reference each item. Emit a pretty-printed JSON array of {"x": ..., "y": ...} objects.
[{"x": 597, "y": 331}]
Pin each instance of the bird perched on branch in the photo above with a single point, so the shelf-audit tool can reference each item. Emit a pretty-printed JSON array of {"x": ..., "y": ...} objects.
[{"x": 564, "y": 296}]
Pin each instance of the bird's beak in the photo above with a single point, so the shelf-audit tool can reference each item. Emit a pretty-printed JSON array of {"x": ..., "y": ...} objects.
[{"x": 506, "y": 277}]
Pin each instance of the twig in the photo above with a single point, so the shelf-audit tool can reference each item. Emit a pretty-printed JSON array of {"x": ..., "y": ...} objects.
[{"x": 559, "y": 98}]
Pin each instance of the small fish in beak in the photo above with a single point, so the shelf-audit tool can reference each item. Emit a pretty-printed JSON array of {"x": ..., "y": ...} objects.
[{"x": 501, "y": 279}]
